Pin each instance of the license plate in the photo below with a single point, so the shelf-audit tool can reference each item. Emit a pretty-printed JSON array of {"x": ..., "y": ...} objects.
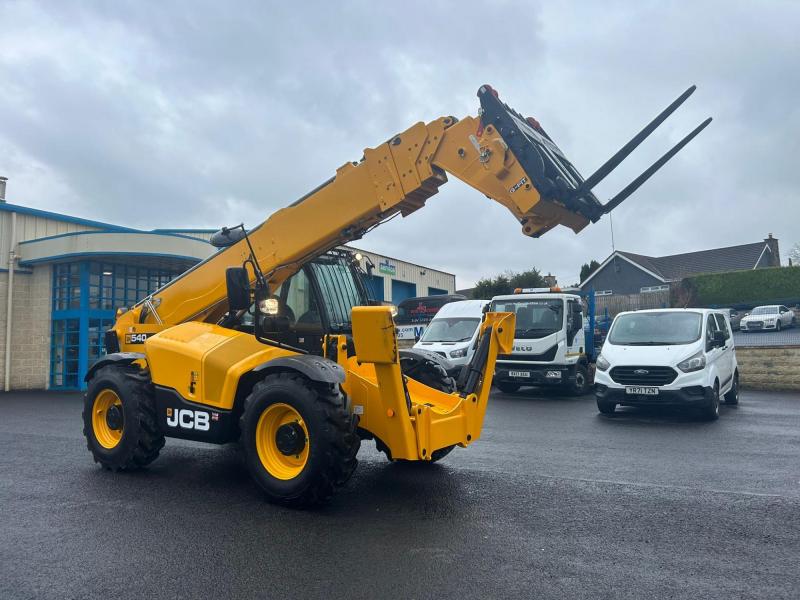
[
  {"x": 519, "y": 374},
  {"x": 641, "y": 390}
]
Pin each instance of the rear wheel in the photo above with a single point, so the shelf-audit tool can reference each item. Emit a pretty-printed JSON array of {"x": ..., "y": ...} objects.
[
  {"x": 119, "y": 418},
  {"x": 508, "y": 387},
  {"x": 298, "y": 438},
  {"x": 711, "y": 410},
  {"x": 732, "y": 396}
]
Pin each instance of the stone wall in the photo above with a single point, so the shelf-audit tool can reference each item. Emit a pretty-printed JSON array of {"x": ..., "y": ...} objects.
[
  {"x": 776, "y": 368},
  {"x": 30, "y": 335}
]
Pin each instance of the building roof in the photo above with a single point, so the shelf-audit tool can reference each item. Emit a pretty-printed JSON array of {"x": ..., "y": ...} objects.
[{"x": 677, "y": 266}]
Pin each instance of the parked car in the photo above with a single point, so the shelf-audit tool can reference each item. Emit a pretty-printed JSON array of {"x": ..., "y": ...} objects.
[
  {"x": 673, "y": 356},
  {"x": 773, "y": 317},
  {"x": 452, "y": 332}
]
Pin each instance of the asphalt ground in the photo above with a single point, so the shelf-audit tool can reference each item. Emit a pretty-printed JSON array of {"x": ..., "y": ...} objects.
[{"x": 555, "y": 501}]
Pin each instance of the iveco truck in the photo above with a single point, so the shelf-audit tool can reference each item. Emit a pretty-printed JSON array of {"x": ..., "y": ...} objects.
[{"x": 549, "y": 342}]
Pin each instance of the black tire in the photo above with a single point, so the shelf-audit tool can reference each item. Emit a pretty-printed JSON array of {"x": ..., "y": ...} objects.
[
  {"x": 580, "y": 385},
  {"x": 332, "y": 440},
  {"x": 778, "y": 325},
  {"x": 732, "y": 396},
  {"x": 141, "y": 438},
  {"x": 507, "y": 387},
  {"x": 711, "y": 410},
  {"x": 605, "y": 407}
]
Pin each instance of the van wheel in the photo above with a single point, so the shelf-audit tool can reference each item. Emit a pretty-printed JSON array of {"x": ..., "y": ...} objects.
[
  {"x": 732, "y": 397},
  {"x": 605, "y": 407},
  {"x": 508, "y": 387},
  {"x": 711, "y": 411}
]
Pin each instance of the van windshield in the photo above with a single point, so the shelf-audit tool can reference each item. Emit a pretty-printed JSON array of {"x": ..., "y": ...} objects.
[
  {"x": 450, "y": 329},
  {"x": 656, "y": 329},
  {"x": 535, "y": 318}
]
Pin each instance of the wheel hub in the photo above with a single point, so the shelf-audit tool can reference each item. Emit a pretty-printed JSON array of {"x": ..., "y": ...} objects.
[
  {"x": 290, "y": 439},
  {"x": 114, "y": 418}
]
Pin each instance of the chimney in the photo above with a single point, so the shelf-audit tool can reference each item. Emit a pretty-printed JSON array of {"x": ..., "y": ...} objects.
[
  {"x": 775, "y": 258},
  {"x": 3, "y": 188}
]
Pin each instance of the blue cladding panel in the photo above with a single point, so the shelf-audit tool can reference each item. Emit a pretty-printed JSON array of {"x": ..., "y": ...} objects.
[
  {"x": 402, "y": 290},
  {"x": 432, "y": 291}
]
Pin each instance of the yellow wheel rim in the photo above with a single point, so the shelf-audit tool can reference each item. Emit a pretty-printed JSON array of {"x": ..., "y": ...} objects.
[
  {"x": 272, "y": 448},
  {"x": 106, "y": 435}
]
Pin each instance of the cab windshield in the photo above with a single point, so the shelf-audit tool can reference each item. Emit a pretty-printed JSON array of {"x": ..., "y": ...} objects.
[
  {"x": 451, "y": 329},
  {"x": 535, "y": 318},
  {"x": 656, "y": 329}
]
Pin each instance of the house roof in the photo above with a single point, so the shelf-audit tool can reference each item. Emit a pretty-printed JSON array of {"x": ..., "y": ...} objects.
[{"x": 677, "y": 266}]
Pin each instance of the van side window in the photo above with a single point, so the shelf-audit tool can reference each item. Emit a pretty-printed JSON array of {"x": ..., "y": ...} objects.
[{"x": 722, "y": 325}]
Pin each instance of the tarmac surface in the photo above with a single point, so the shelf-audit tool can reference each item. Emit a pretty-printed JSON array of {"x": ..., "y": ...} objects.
[{"x": 555, "y": 501}]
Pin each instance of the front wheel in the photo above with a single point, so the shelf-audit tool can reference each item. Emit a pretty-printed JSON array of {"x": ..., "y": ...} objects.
[
  {"x": 119, "y": 419},
  {"x": 778, "y": 325},
  {"x": 711, "y": 410},
  {"x": 606, "y": 407},
  {"x": 508, "y": 387},
  {"x": 298, "y": 438},
  {"x": 580, "y": 385}
]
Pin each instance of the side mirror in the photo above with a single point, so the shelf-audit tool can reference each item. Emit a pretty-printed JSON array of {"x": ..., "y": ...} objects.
[
  {"x": 238, "y": 284},
  {"x": 719, "y": 339},
  {"x": 227, "y": 237}
]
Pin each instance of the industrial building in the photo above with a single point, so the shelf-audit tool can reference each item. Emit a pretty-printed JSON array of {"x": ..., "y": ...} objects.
[{"x": 62, "y": 279}]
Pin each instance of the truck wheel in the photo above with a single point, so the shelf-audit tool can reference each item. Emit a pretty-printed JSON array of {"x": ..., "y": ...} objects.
[
  {"x": 507, "y": 387},
  {"x": 299, "y": 440},
  {"x": 732, "y": 397},
  {"x": 581, "y": 384},
  {"x": 119, "y": 419},
  {"x": 711, "y": 410},
  {"x": 606, "y": 407}
]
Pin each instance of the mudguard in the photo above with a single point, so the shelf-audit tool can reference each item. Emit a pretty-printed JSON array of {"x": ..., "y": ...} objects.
[
  {"x": 117, "y": 358},
  {"x": 314, "y": 367}
]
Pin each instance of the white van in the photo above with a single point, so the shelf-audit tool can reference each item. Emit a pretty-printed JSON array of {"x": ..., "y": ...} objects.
[
  {"x": 671, "y": 356},
  {"x": 452, "y": 332}
]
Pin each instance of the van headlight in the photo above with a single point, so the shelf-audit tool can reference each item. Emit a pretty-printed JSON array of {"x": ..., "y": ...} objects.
[
  {"x": 695, "y": 362},
  {"x": 458, "y": 353},
  {"x": 601, "y": 363}
]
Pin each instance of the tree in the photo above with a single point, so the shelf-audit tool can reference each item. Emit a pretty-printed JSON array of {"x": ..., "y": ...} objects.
[
  {"x": 588, "y": 268},
  {"x": 506, "y": 283},
  {"x": 794, "y": 254}
]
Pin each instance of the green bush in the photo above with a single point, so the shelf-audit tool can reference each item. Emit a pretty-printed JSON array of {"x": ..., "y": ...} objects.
[{"x": 777, "y": 285}]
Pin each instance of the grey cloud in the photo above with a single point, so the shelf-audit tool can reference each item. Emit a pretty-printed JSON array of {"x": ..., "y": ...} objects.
[{"x": 189, "y": 114}]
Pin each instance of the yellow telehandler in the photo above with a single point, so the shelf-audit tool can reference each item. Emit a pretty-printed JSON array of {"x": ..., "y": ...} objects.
[{"x": 273, "y": 341}]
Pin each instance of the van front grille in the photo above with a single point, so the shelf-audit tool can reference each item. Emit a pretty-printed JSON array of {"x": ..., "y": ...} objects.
[{"x": 643, "y": 375}]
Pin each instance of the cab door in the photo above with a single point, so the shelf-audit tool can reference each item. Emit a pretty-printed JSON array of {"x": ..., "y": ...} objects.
[{"x": 725, "y": 354}]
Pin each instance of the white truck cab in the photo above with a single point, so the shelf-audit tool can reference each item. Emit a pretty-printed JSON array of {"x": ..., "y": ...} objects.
[
  {"x": 549, "y": 342},
  {"x": 453, "y": 331},
  {"x": 671, "y": 356}
]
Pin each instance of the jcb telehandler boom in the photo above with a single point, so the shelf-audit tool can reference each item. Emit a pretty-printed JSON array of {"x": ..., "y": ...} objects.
[{"x": 273, "y": 342}]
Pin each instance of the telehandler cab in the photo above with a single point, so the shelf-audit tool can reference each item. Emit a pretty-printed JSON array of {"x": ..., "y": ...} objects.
[{"x": 273, "y": 342}]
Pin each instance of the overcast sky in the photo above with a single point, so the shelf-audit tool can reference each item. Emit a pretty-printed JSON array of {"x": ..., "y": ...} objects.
[{"x": 199, "y": 114}]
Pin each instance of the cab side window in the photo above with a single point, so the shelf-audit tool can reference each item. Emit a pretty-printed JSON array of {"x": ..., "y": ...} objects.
[
  {"x": 711, "y": 329},
  {"x": 722, "y": 325}
]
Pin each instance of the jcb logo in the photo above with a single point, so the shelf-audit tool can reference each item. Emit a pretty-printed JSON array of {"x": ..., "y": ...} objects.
[{"x": 188, "y": 419}]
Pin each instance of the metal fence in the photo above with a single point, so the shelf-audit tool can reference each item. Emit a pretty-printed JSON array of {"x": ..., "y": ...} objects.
[{"x": 785, "y": 337}]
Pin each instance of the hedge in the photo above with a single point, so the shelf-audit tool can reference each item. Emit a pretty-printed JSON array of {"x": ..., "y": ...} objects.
[{"x": 776, "y": 285}]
